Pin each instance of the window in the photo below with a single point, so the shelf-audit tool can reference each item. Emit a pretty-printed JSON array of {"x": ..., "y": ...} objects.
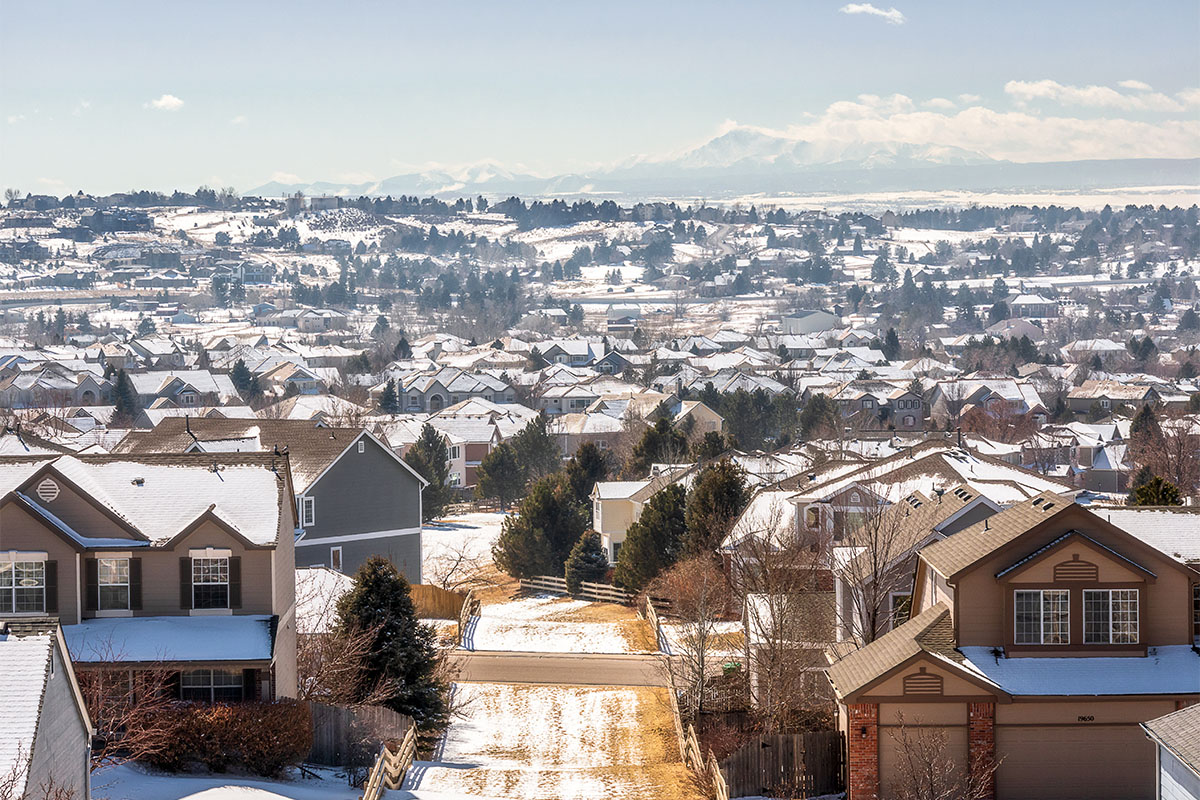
[
  {"x": 602, "y": 444},
  {"x": 22, "y": 587},
  {"x": 188, "y": 398},
  {"x": 866, "y": 403},
  {"x": 909, "y": 421},
  {"x": 455, "y": 479},
  {"x": 454, "y": 452},
  {"x": 1042, "y": 616},
  {"x": 362, "y": 446},
  {"x": 616, "y": 551},
  {"x": 112, "y": 576},
  {"x": 211, "y": 686},
  {"x": 1104, "y": 402},
  {"x": 308, "y": 511},
  {"x": 1110, "y": 616},
  {"x": 210, "y": 583},
  {"x": 335, "y": 558}
]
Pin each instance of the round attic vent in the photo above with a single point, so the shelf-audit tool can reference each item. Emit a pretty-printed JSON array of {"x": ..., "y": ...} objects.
[{"x": 47, "y": 490}]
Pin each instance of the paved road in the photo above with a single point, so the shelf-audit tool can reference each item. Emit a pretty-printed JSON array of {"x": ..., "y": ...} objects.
[{"x": 565, "y": 668}]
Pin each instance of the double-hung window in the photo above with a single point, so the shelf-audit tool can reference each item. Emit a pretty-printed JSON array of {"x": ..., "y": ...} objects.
[
  {"x": 308, "y": 511},
  {"x": 210, "y": 583},
  {"x": 211, "y": 686},
  {"x": 112, "y": 578},
  {"x": 1110, "y": 616},
  {"x": 1043, "y": 616},
  {"x": 22, "y": 587}
]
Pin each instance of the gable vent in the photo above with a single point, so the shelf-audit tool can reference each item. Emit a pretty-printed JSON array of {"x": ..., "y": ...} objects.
[
  {"x": 47, "y": 490},
  {"x": 1076, "y": 570},
  {"x": 922, "y": 683}
]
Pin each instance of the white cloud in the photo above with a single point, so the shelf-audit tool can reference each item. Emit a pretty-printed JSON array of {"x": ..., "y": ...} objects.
[
  {"x": 285, "y": 177},
  {"x": 168, "y": 102},
  {"x": 1140, "y": 86},
  {"x": 1190, "y": 97},
  {"x": 80, "y": 107},
  {"x": 238, "y": 120},
  {"x": 892, "y": 15},
  {"x": 939, "y": 102},
  {"x": 1093, "y": 96},
  {"x": 1010, "y": 135},
  {"x": 13, "y": 119},
  {"x": 967, "y": 99}
]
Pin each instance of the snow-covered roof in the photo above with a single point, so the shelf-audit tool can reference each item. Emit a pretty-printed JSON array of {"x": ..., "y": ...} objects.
[
  {"x": 241, "y": 637},
  {"x": 1174, "y": 669},
  {"x": 618, "y": 490},
  {"x": 24, "y": 662},
  {"x": 1175, "y": 533},
  {"x": 317, "y": 593}
]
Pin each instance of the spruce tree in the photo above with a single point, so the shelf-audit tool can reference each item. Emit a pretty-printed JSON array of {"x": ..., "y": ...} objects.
[
  {"x": 389, "y": 401},
  {"x": 126, "y": 401},
  {"x": 586, "y": 468},
  {"x": 402, "y": 658},
  {"x": 245, "y": 381},
  {"x": 587, "y": 562},
  {"x": 539, "y": 537},
  {"x": 1155, "y": 492},
  {"x": 499, "y": 475},
  {"x": 718, "y": 496},
  {"x": 653, "y": 543},
  {"x": 538, "y": 453},
  {"x": 430, "y": 457}
]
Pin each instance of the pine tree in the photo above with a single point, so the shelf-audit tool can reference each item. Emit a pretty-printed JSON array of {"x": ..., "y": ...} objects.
[
  {"x": 587, "y": 562},
  {"x": 403, "y": 655},
  {"x": 654, "y": 542},
  {"x": 538, "y": 539},
  {"x": 659, "y": 443},
  {"x": 499, "y": 475},
  {"x": 403, "y": 350},
  {"x": 126, "y": 401},
  {"x": 710, "y": 446},
  {"x": 1155, "y": 492},
  {"x": 586, "y": 468},
  {"x": 538, "y": 453},
  {"x": 430, "y": 457},
  {"x": 891, "y": 345},
  {"x": 245, "y": 381},
  {"x": 389, "y": 401},
  {"x": 718, "y": 496}
]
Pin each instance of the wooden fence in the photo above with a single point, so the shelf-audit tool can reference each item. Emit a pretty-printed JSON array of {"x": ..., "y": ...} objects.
[
  {"x": 434, "y": 602},
  {"x": 787, "y": 765},
  {"x": 346, "y": 737},
  {"x": 470, "y": 608},
  {"x": 651, "y": 615},
  {"x": 390, "y": 767}
]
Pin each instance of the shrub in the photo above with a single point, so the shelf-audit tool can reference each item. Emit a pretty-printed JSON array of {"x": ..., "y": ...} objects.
[{"x": 262, "y": 738}]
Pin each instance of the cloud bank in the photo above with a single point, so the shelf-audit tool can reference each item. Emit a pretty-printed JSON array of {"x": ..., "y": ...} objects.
[{"x": 892, "y": 15}]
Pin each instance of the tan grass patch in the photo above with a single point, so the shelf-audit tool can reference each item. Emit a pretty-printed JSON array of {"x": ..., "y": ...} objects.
[
  {"x": 592, "y": 612},
  {"x": 639, "y": 636},
  {"x": 731, "y": 640}
]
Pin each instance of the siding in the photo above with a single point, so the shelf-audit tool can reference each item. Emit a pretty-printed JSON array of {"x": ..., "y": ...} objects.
[
  {"x": 363, "y": 493},
  {"x": 404, "y": 551},
  {"x": 1176, "y": 782},
  {"x": 60, "y": 747},
  {"x": 20, "y": 531}
]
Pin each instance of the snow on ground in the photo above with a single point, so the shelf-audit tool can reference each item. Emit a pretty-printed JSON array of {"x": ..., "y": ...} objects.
[
  {"x": 129, "y": 782},
  {"x": 447, "y": 543},
  {"x": 552, "y": 624},
  {"x": 728, "y": 640},
  {"x": 555, "y": 742}
]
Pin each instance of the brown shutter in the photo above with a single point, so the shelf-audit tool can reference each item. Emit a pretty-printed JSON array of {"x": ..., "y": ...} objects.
[
  {"x": 51, "y": 587},
  {"x": 91, "y": 584},
  {"x": 235, "y": 582},
  {"x": 135, "y": 584},
  {"x": 249, "y": 684},
  {"x": 185, "y": 583}
]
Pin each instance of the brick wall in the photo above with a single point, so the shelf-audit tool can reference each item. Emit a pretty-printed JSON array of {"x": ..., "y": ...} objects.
[
  {"x": 863, "y": 751},
  {"x": 981, "y": 747}
]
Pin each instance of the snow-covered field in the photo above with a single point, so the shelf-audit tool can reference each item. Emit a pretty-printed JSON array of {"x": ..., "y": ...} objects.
[
  {"x": 130, "y": 782},
  {"x": 555, "y": 743},
  {"x": 457, "y": 543},
  {"x": 552, "y": 624}
]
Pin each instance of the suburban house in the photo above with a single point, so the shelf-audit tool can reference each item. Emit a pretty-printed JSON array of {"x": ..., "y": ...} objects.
[
  {"x": 1109, "y": 395},
  {"x": 1040, "y": 638},
  {"x": 184, "y": 388},
  {"x": 45, "y": 732},
  {"x": 618, "y": 504},
  {"x": 810, "y": 321},
  {"x": 1176, "y": 737},
  {"x": 170, "y": 562},
  {"x": 355, "y": 497}
]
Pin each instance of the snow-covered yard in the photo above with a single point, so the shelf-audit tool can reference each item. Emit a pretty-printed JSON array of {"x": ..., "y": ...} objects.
[
  {"x": 131, "y": 782},
  {"x": 553, "y": 624},
  {"x": 556, "y": 743},
  {"x": 462, "y": 542}
]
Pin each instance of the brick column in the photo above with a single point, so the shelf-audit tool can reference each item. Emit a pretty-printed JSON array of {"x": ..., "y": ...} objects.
[
  {"x": 981, "y": 746},
  {"x": 862, "y": 751}
]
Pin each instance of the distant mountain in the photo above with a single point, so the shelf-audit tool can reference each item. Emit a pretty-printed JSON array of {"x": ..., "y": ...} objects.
[{"x": 746, "y": 161}]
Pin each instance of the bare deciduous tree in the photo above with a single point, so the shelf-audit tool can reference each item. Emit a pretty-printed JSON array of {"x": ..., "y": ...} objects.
[
  {"x": 699, "y": 595},
  {"x": 14, "y": 783},
  {"x": 926, "y": 770}
]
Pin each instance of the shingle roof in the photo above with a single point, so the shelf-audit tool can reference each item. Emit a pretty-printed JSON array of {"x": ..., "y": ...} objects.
[
  {"x": 25, "y": 663},
  {"x": 931, "y": 631},
  {"x": 964, "y": 548},
  {"x": 1179, "y": 732}
]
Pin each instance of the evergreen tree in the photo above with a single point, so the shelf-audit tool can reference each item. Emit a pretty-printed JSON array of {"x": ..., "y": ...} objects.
[
  {"x": 1144, "y": 425},
  {"x": 535, "y": 361},
  {"x": 126, "y": 401},
  {"x": 1155, "y": 492},
  {"x": 891, "y": 345},
  {"x": 537, "y": 451},
  {"x": 718, "y": 496},
  {"x": 402, "y": 657},
  {"x": 499, "y": 475},
  {"x": 653, "y": 543},
  {"x": 430, "y": 457},
  {"x": 819, "y": 417},
  {"x": 587, "y": 562},
  {"x": 1189, "y": 321},
  {"x": 389, "y": 401},
  {"x": 710, "y": 446},
  {"x": 146, "y": 327},
  {"x": 538, "y": 539},
  {"x": 586, "y": 468},
  {"x": 245, "y": 381},
  {"x": 403, "y": 350},
  {"x": 660, "y": 443}
]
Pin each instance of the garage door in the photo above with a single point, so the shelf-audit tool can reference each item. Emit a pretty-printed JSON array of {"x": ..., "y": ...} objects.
[{"x": 1074, "y": 762}]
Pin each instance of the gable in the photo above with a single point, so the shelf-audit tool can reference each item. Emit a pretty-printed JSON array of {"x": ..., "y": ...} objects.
[
  {"x": 1076, "y": 558},
  {"x": 926, "y": 678},
  {"x": 76, "y": 508}
]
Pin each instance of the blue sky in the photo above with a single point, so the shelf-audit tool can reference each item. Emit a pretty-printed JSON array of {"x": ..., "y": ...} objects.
[{"x": 116, "y": 95}]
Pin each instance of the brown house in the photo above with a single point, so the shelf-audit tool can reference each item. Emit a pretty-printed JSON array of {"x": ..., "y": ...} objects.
[
  {"x": 1041, "y": 638},
  {"x": 166, "y": 561}
]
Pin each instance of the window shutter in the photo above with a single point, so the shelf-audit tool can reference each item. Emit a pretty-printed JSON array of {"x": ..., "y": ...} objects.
[
  {"x": 91, "y": 584},
  {"x": 51, "y": 587},
  {"x": 135, "y": 584},
  {"x": 249, "y": 684},
  {"x": 235, "y": 582},
  {"x": 185, "y": 583}
]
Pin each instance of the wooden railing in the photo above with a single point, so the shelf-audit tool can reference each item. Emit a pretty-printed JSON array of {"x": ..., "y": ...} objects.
[
  {"x": 651, "y": 614},
  {"x": 390, "y": 767},
  {"x": 470, "y": 608}
]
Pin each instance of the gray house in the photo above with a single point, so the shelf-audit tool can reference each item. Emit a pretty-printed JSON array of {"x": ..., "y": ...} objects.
[
  {"x": 355, "y": 497},
  {"x": 45, "y": 732}
]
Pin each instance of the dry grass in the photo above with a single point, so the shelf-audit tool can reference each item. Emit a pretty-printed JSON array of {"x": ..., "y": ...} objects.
[
  {"x": 593, "y": 612},
  {"x": 494, "y": 586},
  {"x": 731, "y": 641},
  {"x": 639, "y": 636}
]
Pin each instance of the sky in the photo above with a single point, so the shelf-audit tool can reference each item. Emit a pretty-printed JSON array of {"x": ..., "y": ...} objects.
[{"x": 118, "y": 95}]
